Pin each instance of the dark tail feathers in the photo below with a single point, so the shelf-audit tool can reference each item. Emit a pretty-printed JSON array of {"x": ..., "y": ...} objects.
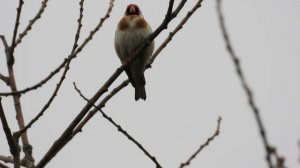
[{"x": 140, "y": 92}]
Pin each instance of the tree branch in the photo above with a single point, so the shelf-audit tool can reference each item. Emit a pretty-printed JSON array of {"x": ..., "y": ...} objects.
[
  {"x": 6, "y": 47},
  {"x": 13, "y": 145},
  {"x": 203, "y": 145},
  {"x": 7, "y": 159},
  {"x": 41, "y": 83},
  {"x": 66, "y": 60},
  {"x": 171, "y": 34},
  {"x": 120, "y": 129},
  {"x": 268, "y": 148},
  {"x": 27, "y": 148},
  {"x": 170, "y": 9},
  {"x": 59, "y": 144},
  {"x": 10, "y": 59},
  {"x": 31, "y": 22},
  {"x": 3, "y": 165},
  {"x": 5, "y": 79},
  {"x": 100, "y": 106},
  {"x": 67, "y": 67}
]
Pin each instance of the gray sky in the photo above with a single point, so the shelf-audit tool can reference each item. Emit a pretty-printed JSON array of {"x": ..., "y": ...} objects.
[{"x": 192, "y": 82}]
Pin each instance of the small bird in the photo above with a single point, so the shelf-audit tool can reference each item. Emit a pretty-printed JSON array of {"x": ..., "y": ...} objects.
[{"x": 131, "y": 31}]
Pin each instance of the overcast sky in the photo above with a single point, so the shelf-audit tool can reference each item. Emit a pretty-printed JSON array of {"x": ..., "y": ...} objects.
[{"x": 191, "y": 83}]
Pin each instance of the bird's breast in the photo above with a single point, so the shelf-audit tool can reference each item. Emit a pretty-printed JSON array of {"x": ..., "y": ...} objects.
[{"x": 130, "y": 23}]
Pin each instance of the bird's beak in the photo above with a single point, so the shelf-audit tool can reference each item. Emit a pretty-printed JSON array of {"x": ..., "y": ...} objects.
[{"x": 132, "y": 9}]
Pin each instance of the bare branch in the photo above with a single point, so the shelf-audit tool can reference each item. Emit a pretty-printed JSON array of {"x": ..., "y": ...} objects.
[
  {"x": 58, "y": 145},
  {"x": 170, "y": 9},
  {"x": 203, "y": 145},
  {"x": 279, "y": 160},
  {"x": 17, "y": 23},
  {"x": 27, "y": 148},
  {"x": 164, "y": 25},
  {"x": 5, "y": 79},
  {"x": 54, "y": 94},
  {"x": 268, "y": 148},
  {"x": 13, "y": 146},
  {"x": 79, "y": 26},
  {"x": 31, "y": 22},
  {"x": 100, "y": 106},
  {"x": 171, "y": 34},
  {"x": 41, "y": 83},
  {"x": 3, "y": 165},
  {"x": 4, "y": 41},
  {"x": 6, "y": 47},
  {"x": 7, "y": 159},
  {"x": 10, "y": 58},
  {"x": 66, "y": 60},
  {"x": 120, "y": 129}
]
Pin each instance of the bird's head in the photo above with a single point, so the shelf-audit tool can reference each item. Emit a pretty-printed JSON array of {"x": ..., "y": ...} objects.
[{"x": 132, "y": 9}]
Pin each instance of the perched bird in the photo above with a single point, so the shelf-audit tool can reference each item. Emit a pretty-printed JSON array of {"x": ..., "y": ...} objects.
[{"x": 131, "y": 31}]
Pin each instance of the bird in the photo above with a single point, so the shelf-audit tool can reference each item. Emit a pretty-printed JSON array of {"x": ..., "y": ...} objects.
[{"x": 131, "y": 31}]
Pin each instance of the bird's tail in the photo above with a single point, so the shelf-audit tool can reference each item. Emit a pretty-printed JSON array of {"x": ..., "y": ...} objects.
[
  {"x": 138, "y": 78},
  {"x": 140, "y": 92}
]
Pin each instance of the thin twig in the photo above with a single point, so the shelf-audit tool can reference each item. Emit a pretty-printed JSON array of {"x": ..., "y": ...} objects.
[
  {"x": 13, "y": 146},
  {"x": 7, "y": 159},
  {"x": 171, "y": 34},
  {"x": 67, "y": 67},
  {"x": 139, "y": 145},
  {"x": 164, "y": 25},
  {"x": 186, "y": 163},
  {"x": 4, "y": 79},
  {"x": 41, "y": 83},
  {"x": 6, "y": 47},
  {"x": 3, "y": 165},
  {"x": 31, "y": 22},
  {"x": 79, "y": 26},
  {"x": 66, "y": 135},
  {"x": 170, "y": 9},
  {"x": 66, "y": 60},
  {"x": 10, "y": 59},
  {"x": 246, "y": 87},
  {"x": 27, "y": 148},
  {"x": 17, "y": 104},
  {"x": 17, "y": 23},
  {"x": 100, "y": 106}
]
